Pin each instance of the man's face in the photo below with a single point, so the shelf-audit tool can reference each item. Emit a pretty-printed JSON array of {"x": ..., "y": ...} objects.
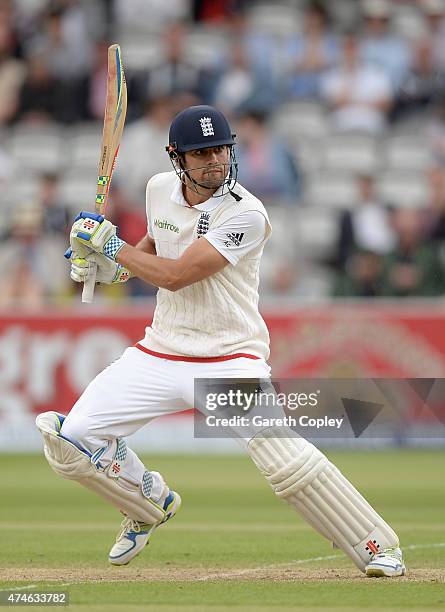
[{"x": 208, "y": 167}]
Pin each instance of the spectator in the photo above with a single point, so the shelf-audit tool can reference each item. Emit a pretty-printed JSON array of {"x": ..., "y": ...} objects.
[
  {"x": 66, "y": 39},
  {"x": 423, "y": 85},
  {"x": 12, "y": 74},
  {"x": 83, "y": 21},
  {"x": 67, "y": 46},
  {"x": 358, "y": 94},
  {"x": 10, "y": 20},
  {"x": 36, "y": 270},
  {"x": 280, "y": 276},
  {"x": 142, "y": 152},
  {"x": 94, "y": 88},
  {"x": 181, "y": 101},
  {"x": 265, "y": 165},
  {"x": 56, "y": 216},
  {"x": 362, "y": 276},
  {"x": 126, "y": 214},
  {"x": 42, "y": 97},
  {"x": 311, "y": 53},
  {"x": 413, "y": 267},
  {"x": 215, "y": 11},
  {"x": 175, "y": 74},
  {"x": 366, "y": 228},
  {"x": 434, "y": 11},
  {"x": 436, "y": 131},
  {"x": 242, "y": 87},
  {"x": 436, "y": 205},
  {"x": 264, "y": 52},
  {"x": 132, "y": 223},
  {"x": 380, "y": 46}
]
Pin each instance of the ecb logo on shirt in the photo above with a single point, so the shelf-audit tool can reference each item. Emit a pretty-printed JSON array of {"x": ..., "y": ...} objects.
[
  {"x": 207, "y": 126},
  {"x": 203, "y": 224}
]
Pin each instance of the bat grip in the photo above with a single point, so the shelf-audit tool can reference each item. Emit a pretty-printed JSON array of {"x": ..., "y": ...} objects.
[{"x": 89, "y": 285}]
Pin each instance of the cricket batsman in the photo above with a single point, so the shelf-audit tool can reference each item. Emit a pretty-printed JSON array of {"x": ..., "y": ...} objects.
[{"x": 204, "y": 241}]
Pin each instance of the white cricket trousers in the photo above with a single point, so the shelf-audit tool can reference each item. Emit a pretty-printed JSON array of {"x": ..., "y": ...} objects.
[{"x": 136, "y": 389}]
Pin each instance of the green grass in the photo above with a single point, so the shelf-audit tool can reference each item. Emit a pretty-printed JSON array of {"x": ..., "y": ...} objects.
[{"x": 230, "y": 522}]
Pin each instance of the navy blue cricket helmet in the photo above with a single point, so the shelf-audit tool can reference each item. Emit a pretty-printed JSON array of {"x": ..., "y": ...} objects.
[{"x": 200, "y": 127}]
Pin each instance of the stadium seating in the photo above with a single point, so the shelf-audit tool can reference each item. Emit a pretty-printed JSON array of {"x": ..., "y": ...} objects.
[
  {"x": 78, "y": 189},
  {"x": 37, "y": 148},
  {"x": 303, "y": 118},
  {"x": 331, "y": 189},
  {"x": 277, "y": 19},
  {"x": 403, "y": 188},
  {"x": 410, "y": 152},
  {"x": 84, "y": 146},
  {"x": 350, "y": 152}
]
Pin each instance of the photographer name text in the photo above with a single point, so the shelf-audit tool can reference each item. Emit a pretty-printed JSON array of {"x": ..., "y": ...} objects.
[{"x": 287, "y": 421}]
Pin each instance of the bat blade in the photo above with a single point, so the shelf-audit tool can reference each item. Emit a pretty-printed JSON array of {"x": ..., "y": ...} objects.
[{"x": 114, "y": 120}]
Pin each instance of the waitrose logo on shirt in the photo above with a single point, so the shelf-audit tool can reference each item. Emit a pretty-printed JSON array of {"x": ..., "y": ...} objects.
[{"x": 163, "y": 224}]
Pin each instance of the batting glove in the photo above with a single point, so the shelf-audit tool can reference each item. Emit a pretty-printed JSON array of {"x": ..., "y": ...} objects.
[
  {"x": 97, "y": 233},
  {"x": 107, "y": 271}
]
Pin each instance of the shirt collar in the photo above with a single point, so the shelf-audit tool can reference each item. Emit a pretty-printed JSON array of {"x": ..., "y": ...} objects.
[{"x": 178, "y": 197}]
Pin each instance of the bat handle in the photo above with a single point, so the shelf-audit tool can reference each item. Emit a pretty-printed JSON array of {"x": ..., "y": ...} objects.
[{"x": 89, "y": 285}]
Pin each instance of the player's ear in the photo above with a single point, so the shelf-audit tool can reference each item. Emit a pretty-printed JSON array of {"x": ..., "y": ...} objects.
[{"x": 172, "y": 152}]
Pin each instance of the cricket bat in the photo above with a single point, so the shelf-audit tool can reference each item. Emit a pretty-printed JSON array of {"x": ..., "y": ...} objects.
[{"x": 114, "y": 119}]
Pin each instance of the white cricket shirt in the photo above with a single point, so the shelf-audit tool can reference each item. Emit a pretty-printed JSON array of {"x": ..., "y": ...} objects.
[{"x": 219, "y": 315}]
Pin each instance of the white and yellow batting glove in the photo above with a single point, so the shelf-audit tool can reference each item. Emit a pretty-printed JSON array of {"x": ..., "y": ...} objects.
[
  {"x": 94, "y": 231},
  {"x": 107, "y": 271}
]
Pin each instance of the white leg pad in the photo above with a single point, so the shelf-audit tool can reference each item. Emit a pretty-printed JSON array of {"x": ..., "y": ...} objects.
[
  {"x": 70, "y": 462},
  {"x": 302, "y": 475}
]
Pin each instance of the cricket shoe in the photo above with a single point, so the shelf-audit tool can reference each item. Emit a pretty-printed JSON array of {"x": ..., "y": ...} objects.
[
  {"x": 134, "y": 535},
  {"x": 387, "y": 563}
]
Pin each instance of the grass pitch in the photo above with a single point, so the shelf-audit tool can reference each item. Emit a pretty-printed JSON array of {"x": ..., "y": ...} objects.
[{"x": 233, "y": 544}]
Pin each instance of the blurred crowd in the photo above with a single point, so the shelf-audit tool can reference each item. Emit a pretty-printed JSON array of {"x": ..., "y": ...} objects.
[{"x": 338, "y": 107}]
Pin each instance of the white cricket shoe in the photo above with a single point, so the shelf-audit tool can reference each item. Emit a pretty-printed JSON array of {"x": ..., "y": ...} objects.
[
  {"x": 387, "y": 563},
  {"x": 134, "y": 535}
]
